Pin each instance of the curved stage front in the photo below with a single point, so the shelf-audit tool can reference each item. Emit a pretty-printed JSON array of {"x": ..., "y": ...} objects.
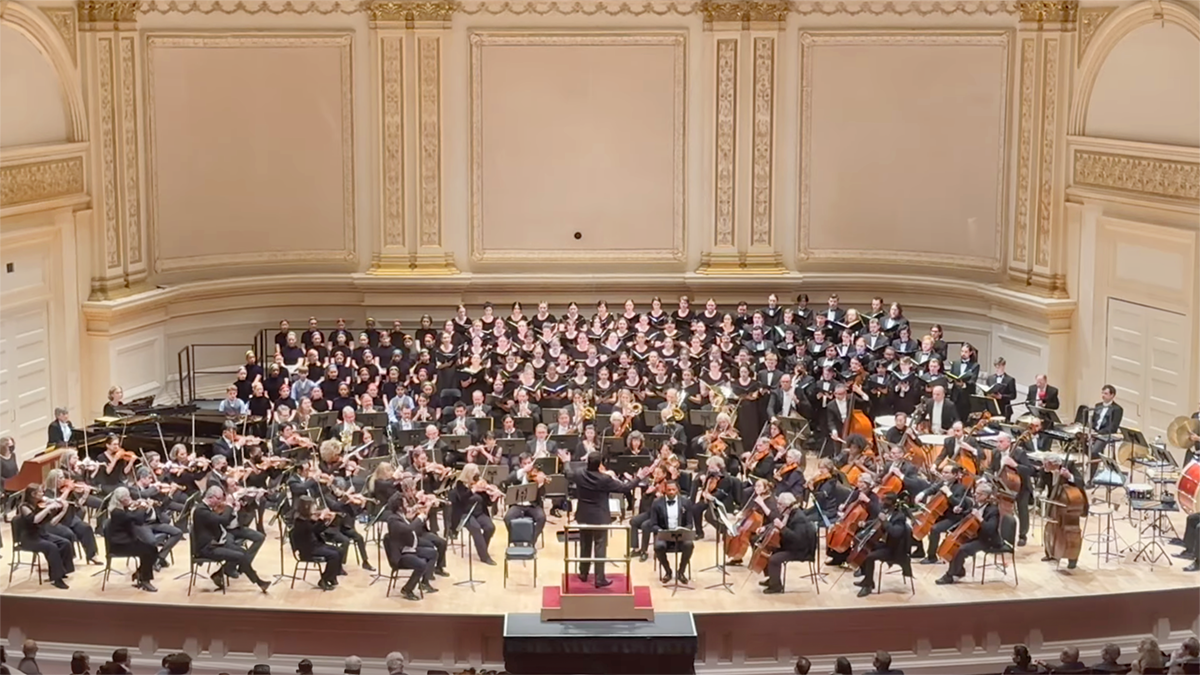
[{"x": 1114, "y": 599}]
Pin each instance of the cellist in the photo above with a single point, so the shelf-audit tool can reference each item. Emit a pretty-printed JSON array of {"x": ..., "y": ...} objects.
[
  {"x": 797, "y": 541},
  {"x": 960, "y": 504},
  {"x": 892, "y": 549},
  {"x": 1010, "y": 456},
  {"x": 863, "y": 494},
  {"x": 988, "y": 537}
]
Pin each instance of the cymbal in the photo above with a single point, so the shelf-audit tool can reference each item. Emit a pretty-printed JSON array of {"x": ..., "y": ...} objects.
[
  {"x": 1026, "y": 420},
  {"x": 1178, "y": 430},
  {"x": 1128, "y": 451}
]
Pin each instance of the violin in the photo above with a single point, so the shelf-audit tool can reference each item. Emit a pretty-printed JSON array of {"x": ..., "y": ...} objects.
[
  {"x": 785, "y": 470},
  {"x": 819, "y": 477},
  {"x": 484, "y": 487}
]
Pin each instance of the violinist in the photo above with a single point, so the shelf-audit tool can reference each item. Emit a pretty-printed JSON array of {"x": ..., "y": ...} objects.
[
  {"x": 471, "y": 502},
  {"x": 342, "y": 500},
  {"x": 419, "y": 505},
  {"x": 959, "y": 505},
  {"x": 129, "y": 534},
  {"x": 228, "y": 444},
  {"x": 789, "y": 478},
  {"x": 828, "y": 492},
  {"x": 671, "y": 512},
  {"x": 715, "y": 486},
  {"x": 67, "y": 523},
  {"x": 1012, "y": 457},
  {"x": 527, "y": 473},
  {"x": 797, "y": 541},
  {"x": 185, "y": 469},
  {"x": 487, "y": 453},
  {"x": 156, "y": 495},
  {"x": 214, "y": 521},
  {"x": 639, "y": 525},
  {"x": 116, "y": 465},
  {"x": 759, "y": 463},
  {"x": 989, "y": 536},
  {"x": 307, "y": 540},
  {"x": 893, "y": 548},
  {"x": 34, "y": 514}
]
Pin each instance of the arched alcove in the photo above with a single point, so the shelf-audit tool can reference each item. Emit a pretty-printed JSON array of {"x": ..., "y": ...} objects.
[{"x": 31, "y": 102}]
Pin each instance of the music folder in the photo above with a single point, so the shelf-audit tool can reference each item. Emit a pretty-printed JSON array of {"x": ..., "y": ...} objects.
[
  {"x": 494, "y": 473},
  {"x": 547, "y": 465},
  {"x": 375, "y": 420},
  {"x": 521, "y": 494},
  {"x": 510, "y": 447},
  {"x": 524, "y": 424},
  {"x": 703, "y": 418}
]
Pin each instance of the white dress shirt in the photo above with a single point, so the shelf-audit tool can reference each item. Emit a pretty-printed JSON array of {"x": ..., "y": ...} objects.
[
  {"x": 673, "y": 513},
  {"x": 936, "y": 417}
]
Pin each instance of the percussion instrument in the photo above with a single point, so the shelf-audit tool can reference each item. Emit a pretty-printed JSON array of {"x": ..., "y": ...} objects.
[
  {"x": 1179, "y": 430},
  {"x": 1189, "y": 481},
  {"x": 932, "y": 440},
  {"x": 1139, "y": 491},
  {"x": 885, "y": 421}
]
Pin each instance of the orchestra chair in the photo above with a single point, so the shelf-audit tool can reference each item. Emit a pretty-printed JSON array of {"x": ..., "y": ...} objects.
[
  {"x": 521, "y": 546},
  {"x": 109, "y": 554},
  {"x": 814, "y": 575},
  {"x": 308, "y": 564},
  {"x": 196, "y": 561},
  {"x": 394, "y": 578},
  {"x": 1002, "y": 556},
  {"x": 879, "y": 567},
  {"x": 34, "y": 564}
]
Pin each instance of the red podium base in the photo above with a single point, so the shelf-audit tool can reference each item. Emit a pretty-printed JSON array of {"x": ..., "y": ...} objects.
[{"x": 577, "y": 600}]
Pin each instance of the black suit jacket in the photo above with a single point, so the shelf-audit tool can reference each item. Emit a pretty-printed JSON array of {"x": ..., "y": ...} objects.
[
  {"x": 402, "y": 534},
  {"x": 1050, "y": 402},
  {"x": 468, "y": 422},
  {"x": 775, "y": 405},
  {"x": 306, "y": 536},
  {"x": 799, "y": 535},
  {"x": 54, "y": 434},
  {"x": 949, "y": 413},
  {"x": 208, "y": 526},
  {"x": 658, "y": 514},
  {"x": 123, "y": 526},
  {"x": 592, "y": 489},
  {"x": 1111, "y": 423}
]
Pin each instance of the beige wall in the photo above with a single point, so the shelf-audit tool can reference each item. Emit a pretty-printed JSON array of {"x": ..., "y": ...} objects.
[{"x": 31, "y": 101}]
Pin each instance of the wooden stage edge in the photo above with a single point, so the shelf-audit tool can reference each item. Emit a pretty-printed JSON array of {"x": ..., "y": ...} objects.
[{"x": 336, "y": 631}]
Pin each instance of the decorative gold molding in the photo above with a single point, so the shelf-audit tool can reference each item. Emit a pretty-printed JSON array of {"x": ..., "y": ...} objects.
[
  {"x": 1024, "y": 149},
  {"x": 764, "y": 142},
  {"x": 392, "y": 53},
  {"x": 744, "y": 12},
  {"x": 40, "y": 181},
  {"x": 678, "y": 41},
  {"x": 64, "y": 21},
  {"x": 131, "y": 195},
  {"x": 726, "y": 141},
  {"x": 108, "y": 152},
  {"x": 810, "y": 40},
  {"x": 412, "y": 12},
  {"x": 894, "y": 8},
  {"x": 241, "y": 7},
  {"x": 107, "y": 14},
  {"x": 1139, "y": 175},
  {"x": 1048, "y": 11},
  {"x": 429, "y": 84},
  {"x": 1049, "y": 116},
  {"x": 344, "y": 42},
  {"x": 1090, "y": 19}
]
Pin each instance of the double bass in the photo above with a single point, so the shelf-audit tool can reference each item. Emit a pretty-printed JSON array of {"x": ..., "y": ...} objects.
[
  {"x": 857, "y": 421},
  {"x": 1062, "y": 535}
]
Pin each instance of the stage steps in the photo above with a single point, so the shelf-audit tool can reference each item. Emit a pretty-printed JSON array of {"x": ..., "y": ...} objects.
[{"x": 576, "y": 600}]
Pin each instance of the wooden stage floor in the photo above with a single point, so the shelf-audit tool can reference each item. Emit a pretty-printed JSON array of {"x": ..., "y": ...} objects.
[{"x": 1038, "y": 580}]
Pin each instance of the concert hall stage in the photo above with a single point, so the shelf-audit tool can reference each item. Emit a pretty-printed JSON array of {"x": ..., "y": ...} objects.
[{"x": 1115, "y": 598}]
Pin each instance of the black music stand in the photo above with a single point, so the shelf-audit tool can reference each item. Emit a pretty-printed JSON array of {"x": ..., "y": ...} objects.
[
  {"x": 722, "y": 534},
  {"x": 547, "y": 465},
  {"x": 470, "y": 582},
  {"x": 411, "y": 437},
  {"x": 511, "y": 447},
  {"x": 494, "y": 473},
  {"x": 652, "y": 441},
  {"x": 706, "y": 419},
  {"x": 524, "y": 424},
  {"x": 630, "y": 464},
  {"x": 456, "y": 442},
  {"x": 565, "y": 441},
  {"x": 521, "y": 494},
  {"x": 611, "y": 446},
  {"x": 550, "y": 415},
  {"x": 674, "y": 538}
]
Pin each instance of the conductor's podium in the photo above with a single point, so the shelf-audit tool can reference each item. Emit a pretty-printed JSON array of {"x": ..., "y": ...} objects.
[{"x": 577, "y": 600}]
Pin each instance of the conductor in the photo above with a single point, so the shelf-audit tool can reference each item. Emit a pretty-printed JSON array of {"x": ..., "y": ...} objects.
[{"x": 593, "y": 486}]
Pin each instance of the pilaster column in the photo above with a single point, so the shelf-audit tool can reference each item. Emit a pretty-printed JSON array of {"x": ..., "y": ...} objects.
[
  {"x": 111, "y": 74},
  {"x": 407, "y": 43},
  {"x": 743, "y": 40},
  {"x": 1045, "y": 41}
]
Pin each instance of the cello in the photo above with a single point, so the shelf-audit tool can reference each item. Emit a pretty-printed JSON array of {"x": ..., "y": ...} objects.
[
  {"x": 1062, "y": 534},
  {"x": 770, "y": 543},
  {"x": 965, "y": 531},
  {"x": 933, "y": 510},
  {"x": 841, "y": 534},
  {"x": 749, "y": 521}
]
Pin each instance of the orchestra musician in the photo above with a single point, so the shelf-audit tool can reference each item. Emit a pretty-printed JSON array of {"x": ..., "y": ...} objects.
[
  {"x": 797, "y": 541},
  {"x": 836, "y": 413},
  {"x": 214, "y": 522},
  {"x": 671, "y": 512},
  {"x": 828, "y": 492},
  {"x": 1058, "y": 468},
  {"x": 940, "y": 414},
  {"x": 789, "y": 477},
  {"x": 157, "y": 495},
  {"x": 959, "y": 505},
  {"x": 540, "y": 445},
  {"x": 461, "y": 425},
  {"x": 1001, "y": 386},
  {"x": 471, "y": 502},
  {"x": 34, "y": 514},
  {"x": 307, "y": 540},
  {"x": 60, "y": 430},
  {"x": 67, "y": 523},
  {"x": 404, "y": 548},
  {"x": 677, "y": 437},
  {"x": 892, "y": 549},
  {"x": 1042, "y": 395},
  {"x": 115, "y": 406},
  {"x": 9, "y": 467},
  {"x": 1106, "y": 420},
  {"x": 1013, "y": 456},
  {"x": 863, "y": 493},
  {"x": 527, "y": 473},
  {"x": 989, "y": 536},
  {"x": 639, "y": 525},
  {"x": 129, "y": 534},
  {"x": 716, "y": 485},
  {"x": 955, "y": 446},
  {"x": 116, "y": 464}
]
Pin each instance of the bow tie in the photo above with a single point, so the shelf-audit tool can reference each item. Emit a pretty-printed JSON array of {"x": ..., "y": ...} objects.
[{"x": 670, "y": 502}]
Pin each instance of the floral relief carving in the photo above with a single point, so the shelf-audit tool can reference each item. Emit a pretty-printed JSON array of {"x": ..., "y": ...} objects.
[
  {"x": 412, "y": 12},
  {"x": 108, "y": 153},
  {"x": 129, "y": 150},
  {"x": 40, "y": 181},
  {"x": 64, "y": 22},
  {"x": 429, "y": 81},
  {"x": 1153, "y": 177},
  {"x": 1090, "y": 19},
  {"x": 1046, "y": 171},
  {"x": 764, "y": 133},
  {"x": 393, "y": 188},
  {"x": 726, "y": 138},
  {"x": 1024, "y": 149},
  {"x": 102, "y": 14}
]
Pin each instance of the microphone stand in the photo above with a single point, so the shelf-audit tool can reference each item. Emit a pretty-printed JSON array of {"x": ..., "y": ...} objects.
[{"x": 470, "y": 582}]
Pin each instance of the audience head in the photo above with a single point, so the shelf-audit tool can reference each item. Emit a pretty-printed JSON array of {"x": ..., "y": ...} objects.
[
  {"x": 883, "y": 660},
  {"x": 842, "y": 666},
  {"x": 1021, "y": 655},
  {"x": 29, "y": 648},
  {"x": 353, "y": 665},
  {"x": 395, "y": 663},
  {"x": 305, "y": 667},
  {"x": 80, "y": 663},
  {"x": 1069, "y": 655},
  {"x": 1191, "y": 647},
  {"x": 803, "y": 665},
  {"x": 1110, "y": 653},
  {"x": 179, "y": 663}
]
